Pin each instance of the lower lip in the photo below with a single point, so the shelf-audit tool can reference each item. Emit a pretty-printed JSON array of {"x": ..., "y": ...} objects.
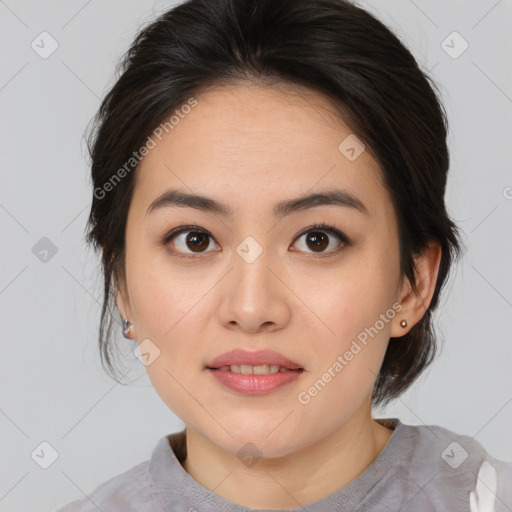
[{"x": 255, "y": 384}]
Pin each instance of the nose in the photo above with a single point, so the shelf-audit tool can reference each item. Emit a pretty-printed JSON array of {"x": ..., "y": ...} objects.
[{"x": 254, "y": 297}]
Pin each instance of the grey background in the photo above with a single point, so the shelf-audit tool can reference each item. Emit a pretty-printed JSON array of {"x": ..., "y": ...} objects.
[{"x": 53, "y": 388}]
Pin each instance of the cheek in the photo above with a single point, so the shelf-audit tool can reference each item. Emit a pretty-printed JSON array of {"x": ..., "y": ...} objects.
[
  {"x": 169, "y": 380},
  {"x": 358, "y": 310},
  {"x": 356, "y": 301},
  {"x": 164, "y": 294},
  {"x": 347, "y": 362},
  {"x": 167, "y": 305}
]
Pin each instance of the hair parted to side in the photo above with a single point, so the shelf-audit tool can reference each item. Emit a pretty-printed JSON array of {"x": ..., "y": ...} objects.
[{"x": 329, "y": 46}]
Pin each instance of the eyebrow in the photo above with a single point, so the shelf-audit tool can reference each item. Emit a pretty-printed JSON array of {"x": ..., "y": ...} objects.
[{"x": 176, "y": 198}]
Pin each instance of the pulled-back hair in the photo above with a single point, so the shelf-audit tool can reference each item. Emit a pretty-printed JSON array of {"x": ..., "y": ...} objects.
[{"x": 329, "y": 46}]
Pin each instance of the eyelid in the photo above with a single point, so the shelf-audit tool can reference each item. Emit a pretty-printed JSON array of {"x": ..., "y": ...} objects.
[
  {"x": 323, "y": 227},
  {"x": 185, "y": 229},
  {"x": 328, "y": 228}
]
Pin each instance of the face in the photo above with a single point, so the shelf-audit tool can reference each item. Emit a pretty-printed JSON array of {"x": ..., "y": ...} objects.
[{"x": 257, "y": 278}]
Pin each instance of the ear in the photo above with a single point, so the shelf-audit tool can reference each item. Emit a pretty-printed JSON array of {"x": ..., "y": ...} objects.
[
  {"x": 414, "y": 305},
  {"x": 123, "y": 301},
  {"x": 123, "y": 305}
]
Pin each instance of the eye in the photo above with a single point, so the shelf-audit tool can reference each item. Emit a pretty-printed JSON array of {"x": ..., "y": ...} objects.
[
  {"x": 189, "y": 238},
  {"x": 317, "y": 238}
]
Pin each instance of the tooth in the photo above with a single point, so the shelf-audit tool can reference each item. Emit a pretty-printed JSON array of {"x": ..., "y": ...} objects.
[{"x": 261, "y": 369}]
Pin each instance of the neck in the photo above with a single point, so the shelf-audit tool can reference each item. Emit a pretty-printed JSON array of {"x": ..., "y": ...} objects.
[{"x": 326, "y": 466}]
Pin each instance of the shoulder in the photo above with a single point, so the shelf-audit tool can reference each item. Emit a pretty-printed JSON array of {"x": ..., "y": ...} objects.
[
  {"x": 454, "y": 472},
  {"x": 130, "y": 491}
]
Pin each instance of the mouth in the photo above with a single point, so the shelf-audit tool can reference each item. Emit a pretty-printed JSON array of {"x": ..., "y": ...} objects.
[
  {"x": 254, "y": 379},
  {"x": 247, "y": 369},
  {"x": 261, "y": 362}
]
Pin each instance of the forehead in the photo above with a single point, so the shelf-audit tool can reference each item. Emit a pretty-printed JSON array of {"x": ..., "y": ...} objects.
[{"x": 252, "y": 145}]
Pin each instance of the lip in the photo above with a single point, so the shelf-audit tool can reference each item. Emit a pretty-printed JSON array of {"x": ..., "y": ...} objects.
[
  {"x": 254, "y": 384},
  {"x": 257, "y": 358}
]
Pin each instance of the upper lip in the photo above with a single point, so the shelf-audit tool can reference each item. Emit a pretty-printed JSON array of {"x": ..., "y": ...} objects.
[{"x": 257, "y": 358}]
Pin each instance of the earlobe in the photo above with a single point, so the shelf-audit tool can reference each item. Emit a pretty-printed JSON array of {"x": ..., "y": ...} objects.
[
  {"x": 120, "y": 290},
  {"x": 127, "y": 327},
  {"x": 415, "y": 304}
]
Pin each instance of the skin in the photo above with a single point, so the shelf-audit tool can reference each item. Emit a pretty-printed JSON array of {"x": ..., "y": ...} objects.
[{"x": 251, "y": 146}]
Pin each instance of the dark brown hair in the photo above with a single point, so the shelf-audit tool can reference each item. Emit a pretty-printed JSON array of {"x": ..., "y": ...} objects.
[{"x": 330, "y": 46}]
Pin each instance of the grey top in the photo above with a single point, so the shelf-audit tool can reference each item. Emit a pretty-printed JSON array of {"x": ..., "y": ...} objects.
[{"x": 421, "y": 468}]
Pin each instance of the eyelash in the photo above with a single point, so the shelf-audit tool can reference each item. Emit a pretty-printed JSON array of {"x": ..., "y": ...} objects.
[{"x": 324, "y": 228}]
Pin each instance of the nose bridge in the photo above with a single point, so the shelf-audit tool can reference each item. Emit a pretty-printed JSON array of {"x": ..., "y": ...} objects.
[
  {"x": 252, "y": 276},
  {"x": 253, "y": 296}
]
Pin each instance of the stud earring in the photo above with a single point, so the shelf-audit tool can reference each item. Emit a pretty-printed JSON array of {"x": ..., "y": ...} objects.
[
  {"x": 127, "y": 327},
  {"x": 403, "y": 323}
]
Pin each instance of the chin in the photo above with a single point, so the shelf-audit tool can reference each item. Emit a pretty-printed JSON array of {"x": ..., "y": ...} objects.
[{"x": 256, "y": 442}]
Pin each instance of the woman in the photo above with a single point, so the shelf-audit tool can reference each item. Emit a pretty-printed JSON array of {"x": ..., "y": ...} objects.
[{"x": 269, "y": 184}]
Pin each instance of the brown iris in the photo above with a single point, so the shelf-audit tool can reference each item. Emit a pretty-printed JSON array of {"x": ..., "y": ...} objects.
[
  {"x": 318, "y": 240},
  {"x": 197, "y": 240}
]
